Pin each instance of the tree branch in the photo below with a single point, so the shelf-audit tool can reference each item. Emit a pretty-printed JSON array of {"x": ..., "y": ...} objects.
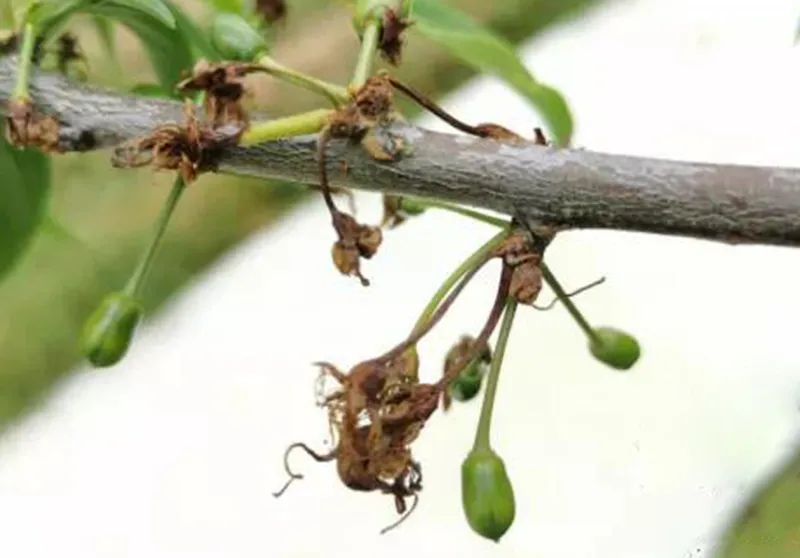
[{"x": 562, "y": 187}]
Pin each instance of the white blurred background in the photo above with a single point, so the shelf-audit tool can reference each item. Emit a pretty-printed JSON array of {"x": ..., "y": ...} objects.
[{"x": 176, "y": 451}]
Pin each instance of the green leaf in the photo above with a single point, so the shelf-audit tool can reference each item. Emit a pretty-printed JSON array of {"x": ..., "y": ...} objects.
[
  {"x": 105, "y": 30},
  {"x": 149, "y": 90},
  {"x": 485, "y": 51},
  {"x": 236, "y": 39},
  {"x": 24, "y": 191},
  {"x": 233, "y": 6},
  {"x": 768, "y": 526},
  {"x": 196, "y": 37},
  {"x": 54, "y": 13},
  {"x": 151, "y": 20}
]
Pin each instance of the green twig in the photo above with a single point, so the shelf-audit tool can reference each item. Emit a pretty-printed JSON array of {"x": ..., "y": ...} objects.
[
  {"x": 25, "y": 63},
  {"x": 366, "y": 56},
  {"x": 485, "y": 420},
  {"x": 136, "y": 281},
  {"x": 336, "y": 94},
  {"x": 296, "y": 125}
]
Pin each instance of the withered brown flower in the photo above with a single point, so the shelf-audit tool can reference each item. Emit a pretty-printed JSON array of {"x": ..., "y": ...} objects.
[
  {"x": 391, "y": 39},
  {"x": 26, "y": 127},
  {"x": 223, "y": 85},
  {"x": 191, "y": 149}
]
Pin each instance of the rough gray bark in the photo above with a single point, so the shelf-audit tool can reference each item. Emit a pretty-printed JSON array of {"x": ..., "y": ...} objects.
[{"x": 563, "y": 187}]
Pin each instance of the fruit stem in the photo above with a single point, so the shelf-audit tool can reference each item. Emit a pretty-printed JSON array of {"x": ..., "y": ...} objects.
[
  {"x": 473, "y": 260},
  {"x": 485, "y": 421},
  {"x": 309, "y": 122},
  {"x": 565, "y": 299},
  {"x": 135, "y": 283},
  {"x": 334, "y": 93},
  {"x": 25, "y": 63},
  {"x": 366, "y": 56}
]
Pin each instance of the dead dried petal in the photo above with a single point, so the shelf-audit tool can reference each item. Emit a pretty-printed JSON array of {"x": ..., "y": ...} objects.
[{"x": 526, "y": 282}]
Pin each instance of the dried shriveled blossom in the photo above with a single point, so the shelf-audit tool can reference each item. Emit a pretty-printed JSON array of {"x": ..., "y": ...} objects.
[
  {"x": 391, "y": 39},
  {"x": 370, "y": 106},
  {"x": 191, "y": 149},
  {"x": 26, "y": 127},
  {"x": 223, "y": 85},
  {"x": 271, "y": 11}
]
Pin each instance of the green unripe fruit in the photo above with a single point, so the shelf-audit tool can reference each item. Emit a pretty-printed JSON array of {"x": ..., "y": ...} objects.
[
  {"x": 468, "y": 383},
  {"x": 486, "y": 493},
  {"x": 236, "y": 39},
  {"x": 615, "y": 348},
  {"x": 411, "y": 207},
  {"x": 108, "y": 332}
]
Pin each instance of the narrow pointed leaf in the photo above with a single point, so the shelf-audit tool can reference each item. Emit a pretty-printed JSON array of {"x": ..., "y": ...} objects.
[
  {"x": 480, "y": 48},
  {"x": 24, "y": 191}
]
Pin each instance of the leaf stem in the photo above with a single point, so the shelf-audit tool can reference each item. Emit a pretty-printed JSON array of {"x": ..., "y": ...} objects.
[
  {"x": 565, "y": 299},
  {"x": 473, "y": 260},
  {"x": 366, "y": 56},
  {"x": 25, "y": 63},
  {"x": 135, "y": 283},
  {"x": 334, "y": 93},
  {"x": 477, "y": 215},
  {"x": 309, "y": 122},
  {"x": 485, "y": 421}
]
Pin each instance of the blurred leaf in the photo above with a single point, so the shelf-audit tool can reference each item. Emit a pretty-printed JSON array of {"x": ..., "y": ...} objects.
[
  {"x": 194, "y": 35},
  {"x": 485, "y": 51},
  {"x": 149, "y": 90},
  {"x": 167, "y": 47},
  {"x": 235, "y": 6},
  {"x": 151, "y": 20},
  {"x": 54, "y": 13},
  {"x": 769, "y": 525},
  {"x": 235, "y": 38},
  {"x": 105, "y": 30},
  {"x": 24, "y": 192}
]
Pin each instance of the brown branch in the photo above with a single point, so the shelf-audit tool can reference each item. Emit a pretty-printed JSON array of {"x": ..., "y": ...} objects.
[{"x": 562, "y": 187}]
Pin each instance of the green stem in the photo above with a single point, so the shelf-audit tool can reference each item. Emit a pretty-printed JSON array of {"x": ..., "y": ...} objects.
[
  {"x": 565, "y": 299},
  {"x": 485, "y": 420},
  {"x": 296, "y": 125},
  {"x": 477, "y": 215},
  {"x": 474, "y": 259},
  {"x": 335, "y": 93},
  {"x": 136, "y": 281},
  {"x": 369, "y": 46},
  {"x": 548, "y": 276},
  {"x": 25, "y": 63}
]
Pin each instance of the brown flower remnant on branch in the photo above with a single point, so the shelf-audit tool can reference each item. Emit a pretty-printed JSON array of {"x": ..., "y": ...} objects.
[
  {"x": 223, "y": 86},
  {"x": 26, "y": 127},
  {"x": 191, "y": 149},
  {"x": 391, "y": 39},
  {"x": 370, "y": 106}
]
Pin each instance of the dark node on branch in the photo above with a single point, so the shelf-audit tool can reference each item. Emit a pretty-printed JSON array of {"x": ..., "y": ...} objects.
[
  {"x": 523, "y": 257},
  {"x": 223, "y": 85},
  {"x": 26, "y": 127},
  {"x": 191, "y": 149},
  {"x": 391, "y": 36},
  {"x": 271, "y": 11},
  {"x": 371, "y": 106}
]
